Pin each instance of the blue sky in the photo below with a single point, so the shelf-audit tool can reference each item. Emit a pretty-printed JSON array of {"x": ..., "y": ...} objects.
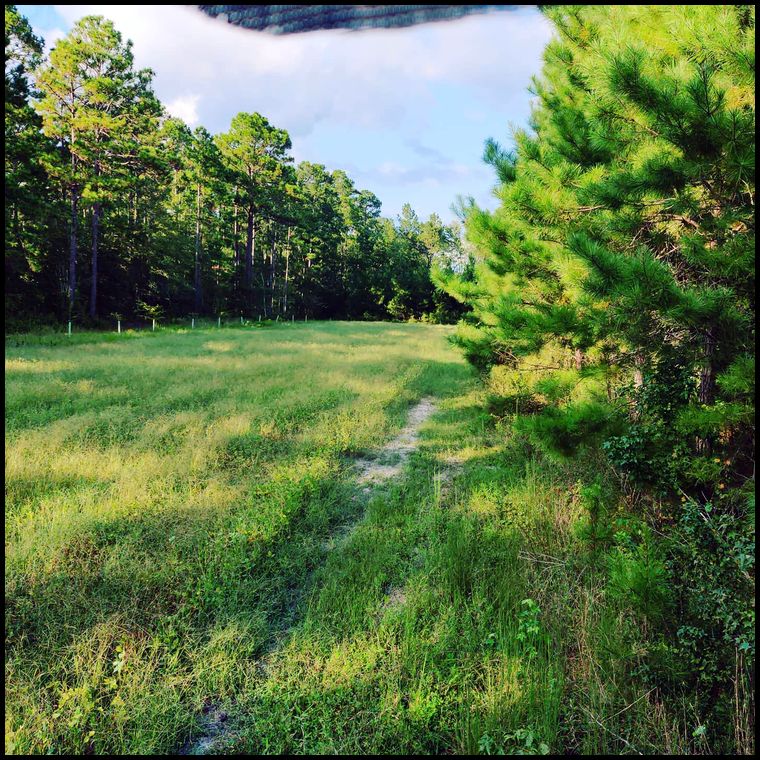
[{"x": 405, "y": 112}]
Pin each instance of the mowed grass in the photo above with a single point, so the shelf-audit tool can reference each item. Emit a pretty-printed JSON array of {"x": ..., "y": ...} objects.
[
  {"x": 185, "y": 538},
  {"x": 169, "y": 495}
]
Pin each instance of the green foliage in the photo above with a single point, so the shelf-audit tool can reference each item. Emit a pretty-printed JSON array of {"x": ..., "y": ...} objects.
[
  {"x": 29, "y": 202},
  {"x": 529, "y": 628},
  {"x": 183, "y": 221},
  {"x": 565, "y": 431},
  {"x": 653, "y": 451},
  {"x": 638, "y": 577},
  {"x": 712, "y": 561},
  {"x": 607, "y": 241},
  {"x": 597, "y": 528},
  {"x": 624, "y": 244},
  {"x": 523, "y": 741}
]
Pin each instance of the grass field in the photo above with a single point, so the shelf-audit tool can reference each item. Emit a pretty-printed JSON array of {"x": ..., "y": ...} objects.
[{"x": 191, "y": 566}]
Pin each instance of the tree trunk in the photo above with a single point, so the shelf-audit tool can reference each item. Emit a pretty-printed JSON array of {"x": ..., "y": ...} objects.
[
  {"x": 95, "y": 240},
  {"x": 94, "y": 280},
  {"x": 263, "y": 292},
  {"x": 578, "y": 359},
  {"x": 17, "y": 231},
  {"x": 197, "y": 279},
  {"x": 272, "y": 271},
  {"x": 235, "y": 247},
  {"x": 287, "y": 263},
  {"x": 638, "y": 369},
  {"x": 707, "y": 384},
  {"x": 264, "y": 275},
  {"x": 248, "y": 262},
  {"x": 73, "y": 250},
  {"x": 707, "y": 373},
  {"x": 249, "y": 250},
  {"x": 638, "y": 382}
]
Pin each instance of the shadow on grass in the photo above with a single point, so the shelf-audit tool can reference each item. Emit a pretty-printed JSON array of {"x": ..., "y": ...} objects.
[{"x": 408, "y": 640}]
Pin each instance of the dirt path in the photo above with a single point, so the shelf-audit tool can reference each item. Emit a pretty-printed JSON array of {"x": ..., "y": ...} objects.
[
  {"x": 390, "y": 460},
  {"x": 373, "y": 472}
]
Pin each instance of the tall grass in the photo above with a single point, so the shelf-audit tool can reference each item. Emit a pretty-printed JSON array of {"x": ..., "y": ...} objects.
[{"x": 185, "y": 538}]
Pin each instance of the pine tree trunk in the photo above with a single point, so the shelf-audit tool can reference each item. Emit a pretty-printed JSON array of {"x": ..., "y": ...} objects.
[
  {"x": 287, "y": 264},
  {"x": 73, "y": 250},
  {"x": 249, "y": 251},
  {"x": 272, "y": 271},
  {"x": 638, "y": 369},
  {"x": 638, "y": 381},
  {"x": 264, "y": 277},
  {"x": 94, "y": 281},
  {"x": 707, "y": 374},
  {"x": 17, "y": 231},
  {"x": 706, "y": 391},
  {"x": 578, "y": 359},
  {"x": 197, "y": 279},
  {"x": 235, "y": 249}
]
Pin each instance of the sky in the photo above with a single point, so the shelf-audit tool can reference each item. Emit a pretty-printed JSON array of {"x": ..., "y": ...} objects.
[{"x": 405, "y": 112}]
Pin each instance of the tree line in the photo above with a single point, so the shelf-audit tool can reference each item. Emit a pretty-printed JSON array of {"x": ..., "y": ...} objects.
[
  {"x": 613, "y": 315},
  {"x": 115, "y": 208}
]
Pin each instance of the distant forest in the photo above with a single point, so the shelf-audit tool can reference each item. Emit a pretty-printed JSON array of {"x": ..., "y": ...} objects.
[{"x": 114, "y": 209}]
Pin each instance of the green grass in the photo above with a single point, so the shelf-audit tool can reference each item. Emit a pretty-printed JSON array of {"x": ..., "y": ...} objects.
[{"x": 184, "y": 535}]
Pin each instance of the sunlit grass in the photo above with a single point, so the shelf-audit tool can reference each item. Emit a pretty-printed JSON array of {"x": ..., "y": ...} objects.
[
  {"x": 184, "y": 531},
  {"x": 148, "y": 479}
]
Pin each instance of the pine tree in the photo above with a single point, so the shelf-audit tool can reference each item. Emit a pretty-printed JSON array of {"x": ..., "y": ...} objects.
[
  {"x": 95, "y": 105},
  {"x": 626, "y": 223},
  {"x": 257, "y": 153},
  {"x": 613, "y": 303},
  {"x": 27, "y": 196},
  {"x": 179, "y": 222}
]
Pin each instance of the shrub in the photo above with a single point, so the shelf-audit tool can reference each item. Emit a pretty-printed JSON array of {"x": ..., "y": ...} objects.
[{"x": 638, "y": 577}]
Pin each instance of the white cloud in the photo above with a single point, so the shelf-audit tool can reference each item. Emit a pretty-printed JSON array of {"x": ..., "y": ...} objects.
[
  {"x": 434, "y": 173},
  {"x": 408, "y": 108},
  {"x": 185, "y": 107},
  {"x": 377, "y": 78},
  {"x": 51, "y": 36}
]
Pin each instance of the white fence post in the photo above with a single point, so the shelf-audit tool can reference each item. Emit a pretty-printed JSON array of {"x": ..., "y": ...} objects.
[{"x": 118, "y": 326}]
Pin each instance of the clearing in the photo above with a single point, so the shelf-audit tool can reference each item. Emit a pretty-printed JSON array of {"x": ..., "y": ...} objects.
[{"x": 212, "y": 546}]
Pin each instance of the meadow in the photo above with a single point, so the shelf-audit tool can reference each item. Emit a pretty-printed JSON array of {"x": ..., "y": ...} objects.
[{"x": 192, "y": 567}]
